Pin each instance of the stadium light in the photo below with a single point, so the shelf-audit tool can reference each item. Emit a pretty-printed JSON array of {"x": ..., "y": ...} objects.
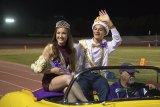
[{"x": 9, "y": 20}]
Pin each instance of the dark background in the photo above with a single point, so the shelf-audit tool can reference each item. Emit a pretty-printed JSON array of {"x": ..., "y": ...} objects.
[{"x": 38, "y": 17}]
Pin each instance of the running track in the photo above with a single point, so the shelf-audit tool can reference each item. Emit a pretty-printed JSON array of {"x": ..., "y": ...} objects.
[{"x": 15, "y": 77}]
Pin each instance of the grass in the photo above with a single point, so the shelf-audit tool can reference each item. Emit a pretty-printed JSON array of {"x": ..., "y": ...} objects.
[
  {"x": 122, "y": 54},
  {"x": 134, "y": 55},
  {"x": 20, "y": 55}
]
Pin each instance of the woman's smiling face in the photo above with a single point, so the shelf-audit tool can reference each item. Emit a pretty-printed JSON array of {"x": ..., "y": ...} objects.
[{"x": 61, "y": 36}]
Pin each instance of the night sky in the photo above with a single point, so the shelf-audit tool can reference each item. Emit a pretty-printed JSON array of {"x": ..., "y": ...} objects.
[
  {"x": 78, "y": 8},
  {"x": 25, "y": 10}
]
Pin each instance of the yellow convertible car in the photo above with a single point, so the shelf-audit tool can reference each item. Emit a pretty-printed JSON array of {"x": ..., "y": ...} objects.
[{"x": 41, "y": 98}]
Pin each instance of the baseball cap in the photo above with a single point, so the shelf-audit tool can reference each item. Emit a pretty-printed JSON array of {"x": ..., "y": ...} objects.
[{"x": 128, "y": 70}]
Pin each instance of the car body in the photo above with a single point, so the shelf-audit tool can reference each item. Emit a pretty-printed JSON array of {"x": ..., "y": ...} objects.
[{"x": 41, "y": 98}]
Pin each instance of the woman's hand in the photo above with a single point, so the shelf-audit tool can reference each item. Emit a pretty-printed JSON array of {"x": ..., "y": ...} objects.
[{"x": 57, "y": 71}]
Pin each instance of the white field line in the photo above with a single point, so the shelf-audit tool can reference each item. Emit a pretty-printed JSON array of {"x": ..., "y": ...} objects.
[
  {"x": 15, "y": 85},
  {"x": 19, "y": 70},
  {"x": 21, "y": 77},
  {"x": 13, "y": 68}
]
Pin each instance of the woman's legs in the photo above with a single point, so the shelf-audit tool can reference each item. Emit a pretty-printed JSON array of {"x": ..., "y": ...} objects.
[
  {"x": 60, "y": 82},
  {"x": 71, "y": 97},
  {"x": 78, "y": 92}
]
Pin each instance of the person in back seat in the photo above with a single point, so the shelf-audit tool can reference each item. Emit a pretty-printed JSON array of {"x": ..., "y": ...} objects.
[{"x": 126, "y": 87}]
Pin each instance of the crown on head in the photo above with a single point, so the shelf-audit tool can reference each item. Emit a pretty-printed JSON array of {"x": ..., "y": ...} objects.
[
  {"x": 104, "y": 24},
  {"x": 63, "y": 24}
]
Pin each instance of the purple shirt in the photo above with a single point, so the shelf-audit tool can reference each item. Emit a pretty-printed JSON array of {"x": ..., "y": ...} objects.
[{"x": 117, "y": 91}]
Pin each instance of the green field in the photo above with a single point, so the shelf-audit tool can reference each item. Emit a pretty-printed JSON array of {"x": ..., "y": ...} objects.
[
  {"x": 122, "y": 54},
  {"x": 21, "y": 56},
  {"x": 134, "y": 55}
]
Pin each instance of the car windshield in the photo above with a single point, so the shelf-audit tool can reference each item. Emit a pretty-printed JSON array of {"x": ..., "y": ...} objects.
[{"x": 144, "y": 76}]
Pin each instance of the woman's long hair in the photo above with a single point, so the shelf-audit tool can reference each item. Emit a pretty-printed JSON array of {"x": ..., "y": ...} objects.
[{"x": 69, "y": 46}]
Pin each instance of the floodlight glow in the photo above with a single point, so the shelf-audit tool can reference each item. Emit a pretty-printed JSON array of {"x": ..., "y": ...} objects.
[{"x": 9, "y": 20}]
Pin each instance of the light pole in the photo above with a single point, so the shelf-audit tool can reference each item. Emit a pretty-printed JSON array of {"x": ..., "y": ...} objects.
[{"x": 156, "y": 40}]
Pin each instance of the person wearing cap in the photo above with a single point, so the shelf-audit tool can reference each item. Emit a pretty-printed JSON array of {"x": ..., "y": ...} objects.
[
  {"x": 61, "y": 51},
  {"x": 126, "y": 87},
  {"x": 95, "y": 52}
]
